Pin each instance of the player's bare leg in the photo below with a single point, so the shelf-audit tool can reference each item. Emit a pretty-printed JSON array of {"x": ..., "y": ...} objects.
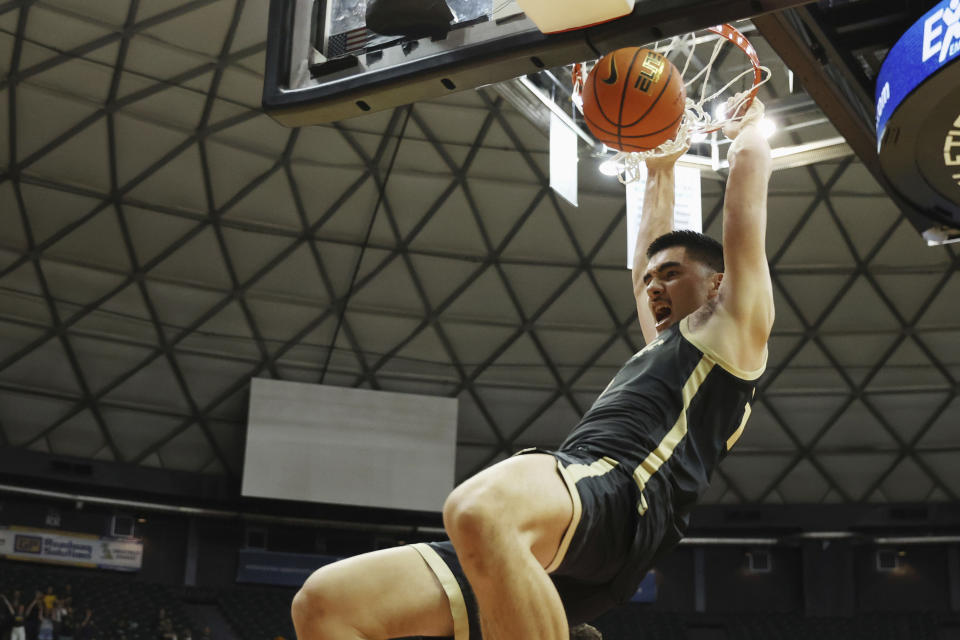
[
  {"x": 335, "y": 602},
  {"x": 506, "y": 524}
]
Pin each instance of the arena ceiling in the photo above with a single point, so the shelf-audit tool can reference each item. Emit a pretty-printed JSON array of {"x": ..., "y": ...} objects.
[{"x": 163, "y": 241}]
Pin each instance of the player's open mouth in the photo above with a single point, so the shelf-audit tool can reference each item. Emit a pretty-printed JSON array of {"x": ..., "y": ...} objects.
[{"x": 661, "y": 314}]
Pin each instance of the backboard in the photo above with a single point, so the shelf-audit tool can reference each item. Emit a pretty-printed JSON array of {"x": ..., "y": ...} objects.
[{"x": 323, "y": 65}]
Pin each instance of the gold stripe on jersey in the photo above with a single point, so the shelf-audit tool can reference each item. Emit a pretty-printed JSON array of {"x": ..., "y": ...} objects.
[
  {"x": 458, "y": 607},
  {"x": 732, "y": 440},
  {"x": 659, "y": 456}
]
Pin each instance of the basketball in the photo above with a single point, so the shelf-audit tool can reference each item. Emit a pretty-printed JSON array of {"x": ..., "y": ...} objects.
[{"x": 633, "y": 99}]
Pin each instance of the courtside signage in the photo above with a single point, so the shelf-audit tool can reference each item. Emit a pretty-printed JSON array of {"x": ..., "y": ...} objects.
[
  {"x": 927, "y": 46},
  {"x": 77, "y": 549}
]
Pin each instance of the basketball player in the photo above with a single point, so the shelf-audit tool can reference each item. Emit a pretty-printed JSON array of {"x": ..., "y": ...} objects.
[{"x": 546, "y": 540}]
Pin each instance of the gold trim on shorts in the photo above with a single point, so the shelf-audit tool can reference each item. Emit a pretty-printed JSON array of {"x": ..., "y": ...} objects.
[
  {"x": 458, "y": 608},
  {"x": 571, "y": 475},
  {"x": 732, "y": 440}
]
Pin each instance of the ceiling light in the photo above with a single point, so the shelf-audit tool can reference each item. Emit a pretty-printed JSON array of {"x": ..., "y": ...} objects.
[
  {"x": 698, "y": 136},
  {"x": 767, "y": 127},
  {"x": 610, "y": 167}
]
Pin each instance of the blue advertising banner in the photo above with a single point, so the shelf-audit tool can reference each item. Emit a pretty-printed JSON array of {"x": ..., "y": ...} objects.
[
  {"x": 278, "y": 569},
  {"x": 927, "y": 46}
]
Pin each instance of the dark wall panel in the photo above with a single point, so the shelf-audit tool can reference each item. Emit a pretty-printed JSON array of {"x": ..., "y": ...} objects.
[
  {"x": 675, "y": 581},
  {"x": 218, "y": 541},
  {"x": 828, "y": 578},
  {"x": 921, "y": 583},
  {"x": 731, "y": 587},
  {"x": 164, "y": 549}
]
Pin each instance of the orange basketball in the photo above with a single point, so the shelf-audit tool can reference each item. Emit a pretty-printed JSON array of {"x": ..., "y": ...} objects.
[{"x": 633, "y": 99}]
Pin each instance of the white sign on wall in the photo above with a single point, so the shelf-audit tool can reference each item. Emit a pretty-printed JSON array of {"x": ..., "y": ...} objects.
[
  {"x": 338, "y": 445},
  {"x": 67, "y": 547}
]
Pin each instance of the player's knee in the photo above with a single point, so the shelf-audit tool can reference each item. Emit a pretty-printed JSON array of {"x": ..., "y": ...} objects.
[
  {"x": 308, "y": 609},
  {"x": 471, "y": 511},
  {"x": 300, "y": 610},
  {"x": 315, "y": 609}
]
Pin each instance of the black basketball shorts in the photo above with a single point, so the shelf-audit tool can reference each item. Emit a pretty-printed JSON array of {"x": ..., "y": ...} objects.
[{"x": 613, "y": 538}]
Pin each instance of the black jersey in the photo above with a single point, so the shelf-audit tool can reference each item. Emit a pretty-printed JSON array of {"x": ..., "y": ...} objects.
[{"x": 674, "y": 409}]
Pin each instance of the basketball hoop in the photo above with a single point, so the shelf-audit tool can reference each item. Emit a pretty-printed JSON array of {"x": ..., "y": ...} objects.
[{"x": 704, "y": 111}]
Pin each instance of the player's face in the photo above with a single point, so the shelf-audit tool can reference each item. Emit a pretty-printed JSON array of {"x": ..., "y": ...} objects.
[{"x": 677, "y": 286}]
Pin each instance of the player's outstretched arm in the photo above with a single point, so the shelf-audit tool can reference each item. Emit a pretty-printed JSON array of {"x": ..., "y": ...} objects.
[
  {"x": 655, "y": 220},
  {"x": 746, "y": 292}
]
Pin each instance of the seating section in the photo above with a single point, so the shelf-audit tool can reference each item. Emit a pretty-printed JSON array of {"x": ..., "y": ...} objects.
[
  {"x": 258, "y": 613},
  {"x": 862, "y": 627},
  {"x": 637, "y": 622},
  {"x": 123, "y": 608},
  {"x": 126, "y": 609}
]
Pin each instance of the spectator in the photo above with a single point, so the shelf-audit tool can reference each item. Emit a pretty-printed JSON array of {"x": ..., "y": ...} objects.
[
  {"x": 18, "y": 626},
  {"x": 165, "y": 630},
  {"x": 86, "y": 629},
  {"x": 45, "y": 628},
  {"x": 585, "y": 632},
  {"x": 120, "y": 631},
  {"x": 49, "y": 600},
  {"x": 6, "y": 616},
  {"x": 161, "y": 624},
  {"x": 6, "y": 619},
  {"x": 19, "y": 615},
  {"x": 67, "y": 627},
  {"x": 32, "y": 615},
  {"x": 59, "y": 608}
]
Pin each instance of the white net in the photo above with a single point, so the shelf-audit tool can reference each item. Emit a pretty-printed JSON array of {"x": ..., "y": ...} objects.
[{"x": 706, "y": 110}]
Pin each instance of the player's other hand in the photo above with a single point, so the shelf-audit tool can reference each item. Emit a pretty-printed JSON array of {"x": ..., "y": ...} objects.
[
  {"x": 666, "y": 161},
  {"x": 753, "y": 116}
]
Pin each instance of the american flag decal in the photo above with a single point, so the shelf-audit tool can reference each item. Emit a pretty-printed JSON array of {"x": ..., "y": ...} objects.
[
  {"x": 341, "y": 44},
  {"x": 355, "y": 41}
]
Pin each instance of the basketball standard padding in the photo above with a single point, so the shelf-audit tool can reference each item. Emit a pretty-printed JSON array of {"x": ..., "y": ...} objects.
[
  {"x": 553, "y": 16},
  {"x": 633, "y": 99}
]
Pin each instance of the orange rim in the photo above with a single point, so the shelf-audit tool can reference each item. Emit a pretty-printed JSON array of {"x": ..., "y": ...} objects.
[{"x": 732, "y": 34}]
